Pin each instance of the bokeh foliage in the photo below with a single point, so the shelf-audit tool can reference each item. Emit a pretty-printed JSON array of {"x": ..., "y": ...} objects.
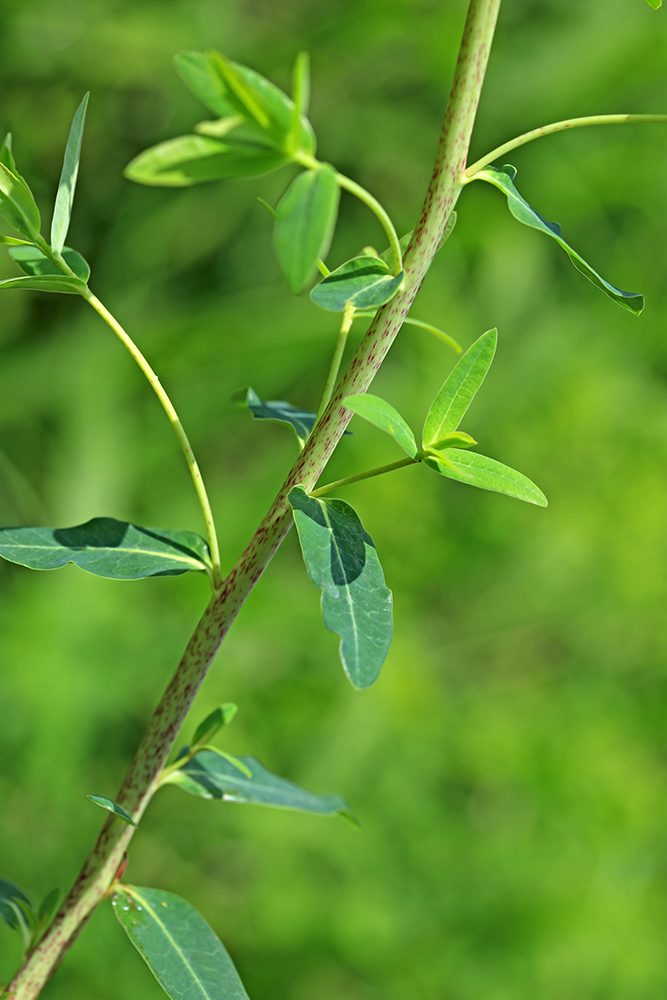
[{"x": 508, "y": 767}]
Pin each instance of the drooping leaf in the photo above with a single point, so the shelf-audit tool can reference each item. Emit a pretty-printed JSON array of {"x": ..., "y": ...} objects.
[
  {"x": 377, "y": 411},
  {"x": 306, "y": 219},
  {"x": 107, "y": 547},
  {"x": 62, "y": 209},
  {"x": 342, "y": 561},
  {"x": 31, "y": 260},
  {"x": 181, "y": 950},
  {"x": 112, "y": 807},
  {"x": 302, "y": 421},
  {"x": 212, "y": 777},
  {"x": 503, "y": 178},
  {"x": 10, "y": 896},
  {"x": 450, "y": 405},
  {"x": 219, "y": 717},
  {"x": 193, "y": 159},
  {"x": 487, "y": 474},
  {"x": 17, "y": 205},
  {"x": 47, "y": 283},
  {"x": 365, "y": 282}
]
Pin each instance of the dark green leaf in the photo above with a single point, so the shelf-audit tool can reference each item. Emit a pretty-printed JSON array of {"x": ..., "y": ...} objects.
[
  {"x": 365, "y": 282},
  {"x": 341, "y": 559},
  {"x": 111, "y": 807},
  {"x": 306, "y": 218},
  {"x": 193, "y": 159},
  {"x": 47, "y": 283},
  {"x": 212, "y": 777},
  {"x": 17, "y": 204},
  {"x": 10, "y": 896},
  {"x": 503, "y": 178},
  {"x": 277, "y": 409},
  {"x": 107, "y": 547},
  {"x": 178, "y": 946},
  {"x": 487, "y": 474},
  {"x": 33, "y": 261},
  {"x": 62, "y": 210},
  {"x": 377, "y": 411},
  {"x": 218, "y": 718},
  {"x": 450, "y": 405}
]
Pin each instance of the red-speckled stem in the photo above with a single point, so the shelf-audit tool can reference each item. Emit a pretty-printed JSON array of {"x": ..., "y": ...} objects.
[{"x": 100, "y": 868}]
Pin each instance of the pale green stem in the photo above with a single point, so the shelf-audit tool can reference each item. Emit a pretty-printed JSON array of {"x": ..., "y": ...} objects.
[
  {"x": 348, "y": 319},
  {"x": 455, "y": 346},
  {"x": 379, "y": 471},
  {"x": 568, "y": 123},
  {"x": 178, "y": 430}
]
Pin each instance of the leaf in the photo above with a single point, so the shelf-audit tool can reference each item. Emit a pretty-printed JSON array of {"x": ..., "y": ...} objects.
[
  {"x": 47, "y": 283},
  {"x": 17, "y": 204},
  {"x": 31, "y": 260},
  {"x": 212, "y": 777},
  {"x": 365, "y": 282},
  {"x": 300, "y": 98},
  {"x": 341, "y": 559},
  {"x": 183, "y": 953},
  {"x": 62, "y": 209},
  {"x": 487, "y": 474},
  {"x": 10, "y": 241},
  {"x": 10, "y": 895},
  {"x": 503, "y": 178},
  {"x": 219, "y": 717},
  {"x": 306, "y": 219},
  {"x": 377, "y": 411},
  {"x": 197, "y": 73},
  {"x": 48, "y": 908},
  {"x": 193, "y": 159},
  {"x": 450, "y": 405},
  {"x": 654, "y": 3},
  {"x": 107, "y": 547},
  {"x": 111, "y": 807},
  {"x": 7, "y": 157},
  {"x": 277, "y": 409}
]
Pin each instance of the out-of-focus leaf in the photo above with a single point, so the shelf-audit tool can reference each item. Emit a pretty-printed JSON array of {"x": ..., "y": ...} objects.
[
  {"x": 450, "y": 405},
  {"x": 363, "y": 282},
  {"x": 197, "y": 73},
  {"x": 7, "y": 157},
  {"x": 342, "y": 561},
  {"x": 487, "y": 474},
  {"x": 300, "y": 99},
  {"x": 654, "y": 3},
  {"x": 178, "y": 946},
  {"x": 62, "y": 210},
  {"x": 219, "y": 717},
  {"x": 31, "y": 260},
  {"x": 17, "y": 204},
  {"x": 503, "y": 178},
  {"x": 10, "y": 241},
  {"x": 107, "y": 547},
  {"x": 48, "y": 908},
  {"x": 10, "y": 895},
  {"x": 193, "y": 159},
  {"x": 112, "y": 807},
  {"x": 47, "y": 283},
  {"x": 306, "y": 218},
  {"x": 377, "y": 411}
]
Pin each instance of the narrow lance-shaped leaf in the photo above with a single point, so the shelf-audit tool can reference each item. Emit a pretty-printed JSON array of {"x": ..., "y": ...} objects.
[
  {"x": 17, "y": 204},
  {"x": 181, "y": 950},
  {"x": 363, "y": 282},
  {"x": 107, "y": 547},
  {"x": 7, "y": 157},
  {"x": 487, "y": 474},
  {"x": 47, "y": 283},
  {"x": 377, "y": 411},
  {"x": 459, "y": 390},
  {"x": 213, "y": 723},
  {"x": 342, "y": 561},
  {"x": 300, "y": 98},
  {"x": 503, "y": 178},
  {"x": 112, "y": 807},
  {"x": 306, "y": 218},
  {"x": 31, "y": 260},
  {"x": 193, "y": 159},
  {"x": 62, "y": 209}
]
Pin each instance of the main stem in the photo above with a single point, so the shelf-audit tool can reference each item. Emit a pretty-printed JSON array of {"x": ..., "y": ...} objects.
[{"x": 101, "y": 865}]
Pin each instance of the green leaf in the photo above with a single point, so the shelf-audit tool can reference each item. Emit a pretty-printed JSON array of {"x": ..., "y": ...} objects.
[
  {"x": 178, "y": 946},
  {"x": 218, "y": 718},
  {"x": 10, "y": 896},
  {"x": 10, "y": 241},
  {"x": 7, "y": 157},
  {"x": 306, "y": 219},
  {"x": 450, "y": 405},
  {"x": 17, "y": 204},
  {"x": 197, "y": 73},
  {"x": 341, "y": 559},
  {"x": 377, "y": 411},
  {"x": 654, "y": 3},
  {"x": 48, "y": 908},
  {"x": 302, "y": 421},
  {"x": 111, "y": 807},
  {"x": 213, "y": 777},
  {"x": 193, "y": 159},
  {"x": 62, "y": 209},
  {"x": 487, "y": 474},
  {"x": 47, "y": 283},
  {"x": 300, "y": 98},
  {"x": 365, "y": 282},
  {"x": 31, "y": 260},
  {"x": 107, "y": 547},
  {"x": 503, "y": 178}
]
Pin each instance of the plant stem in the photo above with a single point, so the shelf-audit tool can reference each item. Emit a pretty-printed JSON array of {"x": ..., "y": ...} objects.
[
  {"x": 568, "y": 123},
  {"x": 178, "y": 429},
  {"x": 345, "y": 327},
  {"x": 379, "y": 471},
  {"x": 455, "y": 346},
  {"x": 363, "y": 195},
  {"x": 102, "y": 864}
]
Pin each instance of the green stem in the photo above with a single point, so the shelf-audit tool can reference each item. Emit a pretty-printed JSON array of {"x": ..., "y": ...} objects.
[
  {"x": 455, "y": 346},
  {"x": 379, "y": 471},
  {"x": 178, "y": 429},
  {"x": 568, "y": 123},
  {"x": 348, "y": 319}
]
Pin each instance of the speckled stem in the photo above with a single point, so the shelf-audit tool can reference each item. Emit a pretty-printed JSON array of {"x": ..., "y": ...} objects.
[{"x": 101, "y": 866}]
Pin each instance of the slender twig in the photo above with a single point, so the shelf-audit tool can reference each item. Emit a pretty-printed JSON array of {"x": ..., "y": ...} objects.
[{"x": 379, "y": 471}]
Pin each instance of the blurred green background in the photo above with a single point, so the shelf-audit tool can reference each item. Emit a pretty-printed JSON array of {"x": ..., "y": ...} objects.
[{"x": 509, "y": 767}]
